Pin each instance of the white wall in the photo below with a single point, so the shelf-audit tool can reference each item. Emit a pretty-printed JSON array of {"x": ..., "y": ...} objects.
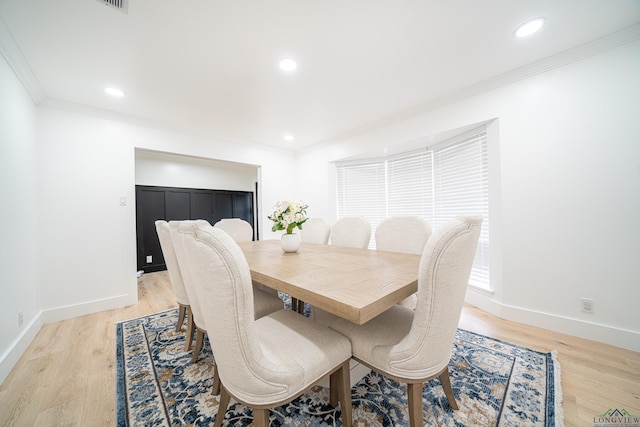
[
  {"x": 18, "y": 219},
  {"x": 63, "y": 176},
  {"x": 569, "y": 179},
  {"x": 87, "y": 164},
  {"x": 170, "y": 170}
]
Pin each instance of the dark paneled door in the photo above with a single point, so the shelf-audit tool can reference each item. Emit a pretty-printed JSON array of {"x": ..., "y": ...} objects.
[{"x": 168, "y": 203}]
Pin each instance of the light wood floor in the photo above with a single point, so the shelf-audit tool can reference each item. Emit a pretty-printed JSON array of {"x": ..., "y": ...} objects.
[{"x": 67, "y": 375}]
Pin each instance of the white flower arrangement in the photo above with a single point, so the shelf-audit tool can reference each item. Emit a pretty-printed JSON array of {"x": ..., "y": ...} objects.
[{"x": 288, "y": 215}]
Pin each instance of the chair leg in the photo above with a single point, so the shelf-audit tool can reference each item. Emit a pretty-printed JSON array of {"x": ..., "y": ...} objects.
[
  {"x": 190, "y": 323},
  {"x": 414, "y": 394},
  {"x": 198, "y": 347},
  {"x": 216, "y": 381},
  {"x": 448, "y": 391},
  {"x": 294, "y": 304},
  {"x": 191, "y": 326},
  {"x": 181, "y": 312},
  {"x": 334, "y": 395},
  {"x": 260, "y": 417},
  {"x": 344, "y": 392},
  {"x": 222, "y": 407},
  {"x": 340, "y": 391}
]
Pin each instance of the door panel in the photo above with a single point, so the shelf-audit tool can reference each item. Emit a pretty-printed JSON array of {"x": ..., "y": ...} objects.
[
  {"x": 151, "y": 204},
  {"x": 202, "y": 205},
  {"x": 178, "y": 205},
  {"x": 243, "y": 206},
  {"x": 222, "y": 206}
]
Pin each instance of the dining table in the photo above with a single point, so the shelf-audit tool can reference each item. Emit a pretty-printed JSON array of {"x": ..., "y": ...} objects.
[{"x": 352, "y": 283}]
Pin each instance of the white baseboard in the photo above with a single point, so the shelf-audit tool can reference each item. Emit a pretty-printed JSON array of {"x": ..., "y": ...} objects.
[
  {"x": 606, "y": 334},
  {"x": 10, "y": 357},
  {"x": 89, "y": 307}
]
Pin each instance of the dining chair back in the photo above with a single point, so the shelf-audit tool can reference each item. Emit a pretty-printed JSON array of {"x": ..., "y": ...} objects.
[
  {"x": 175, "y": 276},
  {"x": 403, "y": 234},
  {"x": 316, "y": 230},
  {"x": 196, "y": 312},
  {"x": 351, "y": 231},
  {"x": 266, "y": 300},
  {"x": 239, "y": 229},
  {"x": 414, "y": 346},
  {"x": 266, "y": 362}
]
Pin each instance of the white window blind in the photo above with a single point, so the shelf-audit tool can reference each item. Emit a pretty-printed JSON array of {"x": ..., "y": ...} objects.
[
  {"x": 361, "y": 191},
  {"x": 410, "y": 184},
  {"x": 437, "y": 183},
  {"x": 461, "y": 187}
]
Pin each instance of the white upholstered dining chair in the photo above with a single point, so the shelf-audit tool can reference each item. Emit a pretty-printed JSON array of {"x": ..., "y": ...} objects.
[
  {"x": 175, "y": 276},
  {"x": 407, "y": 234},
  {"x": 267, "y": 362},
  {"x": 197, "y": 318},
  {"x": 264, "y": 302},
  {"x": 351, "y": 231},
  {"x": 414, "y": 346},
  {"x": 316, "y": 230},
  {"x": 239, "y": 229},
  {"x": 402, "y": 234}
]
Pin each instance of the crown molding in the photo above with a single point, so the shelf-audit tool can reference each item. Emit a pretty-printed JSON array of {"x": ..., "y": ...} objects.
[
  {"x": 16, "y": 60},
  {"x": 130, "y": 119},
  {"x": 600, "y": 45},
  {"x": 603, "y": 44}
]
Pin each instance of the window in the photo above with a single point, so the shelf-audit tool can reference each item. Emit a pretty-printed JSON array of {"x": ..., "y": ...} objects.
[
  {"x": 437, "y": 183},
  {"x": 362, "y": 190}
]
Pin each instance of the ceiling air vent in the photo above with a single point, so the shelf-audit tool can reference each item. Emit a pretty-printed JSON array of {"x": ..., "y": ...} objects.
[{"x": 121, "y": 5}]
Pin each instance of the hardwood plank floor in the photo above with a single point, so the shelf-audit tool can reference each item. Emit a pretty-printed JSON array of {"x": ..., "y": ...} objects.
[{"x": 67, "y": 375}]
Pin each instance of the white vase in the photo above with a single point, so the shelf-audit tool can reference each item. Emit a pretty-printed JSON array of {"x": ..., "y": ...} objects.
[{"x": 290, "y": 242}]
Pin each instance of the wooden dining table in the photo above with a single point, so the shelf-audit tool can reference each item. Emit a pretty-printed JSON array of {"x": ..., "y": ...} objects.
[{"x": 355, "y": 284}]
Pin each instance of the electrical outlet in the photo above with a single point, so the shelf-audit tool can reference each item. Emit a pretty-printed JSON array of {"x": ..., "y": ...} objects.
[
  {"x": 587, "y": 305},
  {"x": 149, "y": 259},
  {"x": 20, "y": 318}
]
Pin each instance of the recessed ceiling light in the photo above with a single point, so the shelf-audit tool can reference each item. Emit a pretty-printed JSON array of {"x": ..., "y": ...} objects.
[
  {"x": 287, "y": 64},
  {"x": 288, "y": 137},
  {"x": 529, "y": 27},
  {"x": 114, "y": 92}
]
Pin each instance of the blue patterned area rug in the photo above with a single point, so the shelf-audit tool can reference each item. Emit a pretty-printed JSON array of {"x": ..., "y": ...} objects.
[{"x": 494, "y": 382}]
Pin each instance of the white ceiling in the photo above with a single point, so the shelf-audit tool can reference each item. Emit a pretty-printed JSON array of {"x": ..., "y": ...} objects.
[{"x": 210, "y": 67}]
